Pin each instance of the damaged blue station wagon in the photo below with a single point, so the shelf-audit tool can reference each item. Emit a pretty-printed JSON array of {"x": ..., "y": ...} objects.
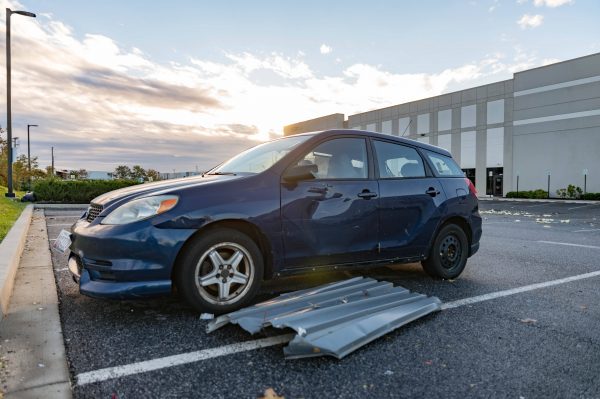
[{"x": 332, "y": 199}]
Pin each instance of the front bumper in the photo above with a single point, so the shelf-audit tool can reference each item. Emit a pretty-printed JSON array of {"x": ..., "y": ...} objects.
[{"x": 124, "y": 262}]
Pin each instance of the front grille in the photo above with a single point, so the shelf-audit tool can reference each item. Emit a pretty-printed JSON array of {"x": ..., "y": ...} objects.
[{"x": 93, "y": 212}]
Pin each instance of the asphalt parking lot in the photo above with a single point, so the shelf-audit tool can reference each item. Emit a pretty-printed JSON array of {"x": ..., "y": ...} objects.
[{"x": 542, "y": 342}]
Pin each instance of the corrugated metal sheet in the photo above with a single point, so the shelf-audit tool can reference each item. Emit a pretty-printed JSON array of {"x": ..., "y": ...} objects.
[{"x": 334, "y": 319}]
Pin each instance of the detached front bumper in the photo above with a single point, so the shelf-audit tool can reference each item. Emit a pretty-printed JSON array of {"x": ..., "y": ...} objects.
[{"x": 124, "y": 262}]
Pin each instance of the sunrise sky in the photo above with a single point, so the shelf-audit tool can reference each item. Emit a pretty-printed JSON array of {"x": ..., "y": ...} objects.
[{"x": 186, "y": 84}]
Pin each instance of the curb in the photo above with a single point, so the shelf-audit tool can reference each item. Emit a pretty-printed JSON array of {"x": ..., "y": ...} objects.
[
  {"x": 61, "y": 206},
  {"x": 33, "y": 352},
  {"x": 550, "y": 201},
  {"x": 11, "y": 249}
]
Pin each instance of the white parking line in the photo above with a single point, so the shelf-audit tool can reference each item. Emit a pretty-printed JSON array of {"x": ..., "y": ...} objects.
[
  {"x": 518, "y": 290},
  {"x": 570, "y": 244},
  {"x": 176, "y": 360},
  {"x": 585, "y": 230},
  {"x": 580, "y": 206},
  {"x": 109, "y": 373}
]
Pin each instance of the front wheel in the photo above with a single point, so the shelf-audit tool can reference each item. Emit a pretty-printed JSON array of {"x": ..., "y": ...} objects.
[
  {"x": 449, "y": 253},
  {"x": 221, "y": 271}
]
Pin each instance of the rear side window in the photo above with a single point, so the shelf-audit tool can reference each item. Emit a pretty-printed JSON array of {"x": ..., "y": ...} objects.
[
  {"x": 397, "y": 161},
  {"x": 444, "y": 166}
]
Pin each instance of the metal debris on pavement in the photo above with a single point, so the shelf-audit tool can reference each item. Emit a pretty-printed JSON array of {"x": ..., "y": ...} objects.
[{"x": 334, "y": 319}]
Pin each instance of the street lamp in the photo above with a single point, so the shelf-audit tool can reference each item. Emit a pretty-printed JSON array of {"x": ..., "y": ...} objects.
[
  {"x": 9, "y": 12},
  {"x": 29, "y": 155}
]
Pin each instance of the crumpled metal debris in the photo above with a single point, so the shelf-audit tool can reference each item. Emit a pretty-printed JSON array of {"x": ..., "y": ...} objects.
[{"x": 334, "y": 319}]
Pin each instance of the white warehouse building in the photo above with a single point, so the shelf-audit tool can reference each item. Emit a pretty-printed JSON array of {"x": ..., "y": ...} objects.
[{"x": 540, "y": 128}]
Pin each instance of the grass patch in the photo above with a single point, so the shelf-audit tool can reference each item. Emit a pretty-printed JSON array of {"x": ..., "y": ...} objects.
[{"x": 9, "y": 211}]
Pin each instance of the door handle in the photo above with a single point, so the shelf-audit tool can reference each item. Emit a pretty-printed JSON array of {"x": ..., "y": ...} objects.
[
  {"x": 432, "y": 191},
  {"x": 366, "y": 194}
]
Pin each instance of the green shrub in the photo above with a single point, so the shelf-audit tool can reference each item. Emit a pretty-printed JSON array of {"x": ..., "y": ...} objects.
[
  {"x": 75, "y": 191},
  {"x": 572, "y": 192},
  {"x": 591, "y": 196},
  {"x": 534, "y": 194}
]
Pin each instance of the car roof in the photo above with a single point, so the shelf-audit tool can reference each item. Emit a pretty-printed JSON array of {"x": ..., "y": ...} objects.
[{"x": 400, "y": 140}]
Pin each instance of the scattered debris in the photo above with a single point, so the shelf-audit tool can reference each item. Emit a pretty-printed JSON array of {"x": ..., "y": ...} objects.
[
  {"x": 334, "y": 319},
  {"x": 388, "y": 372},
  {"x": 271, "y": 394},
  {"x": 207, "y": 316},
  {"x": 528, "y": 321}
]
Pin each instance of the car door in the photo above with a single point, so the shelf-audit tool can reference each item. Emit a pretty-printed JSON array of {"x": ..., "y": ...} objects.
[
  {"x": 331, "y": 219},
  {"x": 409, "y": 200}
]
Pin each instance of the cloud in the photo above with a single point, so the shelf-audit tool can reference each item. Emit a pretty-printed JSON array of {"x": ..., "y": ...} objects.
[
  {"x": 494, "y": 6},
  {"x": 530, "y": 21},
  {"x": 552, "y": 3},
  {"x": 325, "y": 49},
  {"x": 101, "y": 104}
]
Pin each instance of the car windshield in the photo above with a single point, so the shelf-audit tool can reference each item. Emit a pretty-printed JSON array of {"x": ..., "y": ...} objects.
[{"x": 259, "y": 158}]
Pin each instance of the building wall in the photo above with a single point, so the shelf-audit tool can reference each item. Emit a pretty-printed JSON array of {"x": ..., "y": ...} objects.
[
  {"x": 543, "y": 121},
  {"x": 334, "y": 121},
  {"x": 557, "y": 125},
  {"x": 457, "y": 120}
]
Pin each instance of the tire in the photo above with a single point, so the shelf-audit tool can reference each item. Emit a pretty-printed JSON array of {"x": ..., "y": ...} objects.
[
  {"x": 221, "y": 271},
  {"x": 448, "y": 254}
]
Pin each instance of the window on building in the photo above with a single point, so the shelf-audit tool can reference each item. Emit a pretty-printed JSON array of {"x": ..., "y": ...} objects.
[
  {"x": 386, "y": 127},
  {"x": 396, "y": 160},
  {"x": 444, "y": 120},
  {"x": 467, "y": 150},
  {"x": 423, "y": 123},
  {"x": 424, "y": 139},
  {"x": 371, "y": 127},
  {"x": 403, "y": 126},
  {"x": 468, "y": 116},
  {"x": 495, "y": 147},
  {"x": 495, "y": 112},
  {"x": 445, "y": 141}
]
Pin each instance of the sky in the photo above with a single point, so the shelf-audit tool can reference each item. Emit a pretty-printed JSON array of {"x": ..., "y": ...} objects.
[{"x": 184, "y": 85}]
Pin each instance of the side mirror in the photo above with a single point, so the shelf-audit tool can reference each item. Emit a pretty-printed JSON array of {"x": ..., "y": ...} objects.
[{"x": 300, "y": 172}]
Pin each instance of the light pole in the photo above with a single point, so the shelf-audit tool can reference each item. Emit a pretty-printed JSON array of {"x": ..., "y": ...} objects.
[
  {"x": 29, "y": 154},
  {"x": 9, "y": 12}
]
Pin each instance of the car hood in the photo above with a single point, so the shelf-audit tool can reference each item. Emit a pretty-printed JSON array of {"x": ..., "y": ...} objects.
[{"x": 141, "y": 190}]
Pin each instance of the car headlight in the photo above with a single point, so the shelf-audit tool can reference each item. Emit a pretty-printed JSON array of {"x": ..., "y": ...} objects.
[{"x": 140, "y": 209}]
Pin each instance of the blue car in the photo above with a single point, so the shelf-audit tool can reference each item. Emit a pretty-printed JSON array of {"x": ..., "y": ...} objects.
[{"x": 327, "y": 200}]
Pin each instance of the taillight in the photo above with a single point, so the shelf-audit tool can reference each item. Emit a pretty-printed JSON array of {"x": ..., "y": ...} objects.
[{"x": 472, "y": 188}]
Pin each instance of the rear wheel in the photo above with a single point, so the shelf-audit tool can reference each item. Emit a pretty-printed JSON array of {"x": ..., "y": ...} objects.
[
  {"x": 221, "y": 271},
  {"x": 449, "y": 253}
]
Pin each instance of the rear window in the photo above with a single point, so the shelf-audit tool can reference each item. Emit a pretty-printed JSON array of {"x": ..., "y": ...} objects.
[{"x": 445, "y": 166}]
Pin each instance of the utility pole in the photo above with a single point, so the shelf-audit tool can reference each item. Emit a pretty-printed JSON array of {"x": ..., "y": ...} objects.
[
  {"x": 52, "y": 168},
  {"x": 9, "y": 12}
]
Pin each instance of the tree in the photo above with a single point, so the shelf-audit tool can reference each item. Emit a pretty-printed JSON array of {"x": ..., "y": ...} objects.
[
  {"x": 80, "y": 174},
  {"x": 138, "y": 173},
  {"x": 152, "y": 175},
  {"x": 122, "y": 172}
]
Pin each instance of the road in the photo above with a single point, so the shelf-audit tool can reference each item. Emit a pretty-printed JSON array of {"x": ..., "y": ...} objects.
[{"x": 541, "y": 342}]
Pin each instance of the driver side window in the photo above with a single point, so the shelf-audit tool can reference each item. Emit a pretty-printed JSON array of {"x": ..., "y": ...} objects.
[{"x": 343, "y": 158}]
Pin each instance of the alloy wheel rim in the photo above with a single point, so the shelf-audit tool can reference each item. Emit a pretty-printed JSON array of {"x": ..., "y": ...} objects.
[
  {"x": 450, "y": 251},
  {"x": 224, "y": 273}
]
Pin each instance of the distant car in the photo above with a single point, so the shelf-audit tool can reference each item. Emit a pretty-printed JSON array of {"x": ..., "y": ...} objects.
[{"x": 332, "y": 199}]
